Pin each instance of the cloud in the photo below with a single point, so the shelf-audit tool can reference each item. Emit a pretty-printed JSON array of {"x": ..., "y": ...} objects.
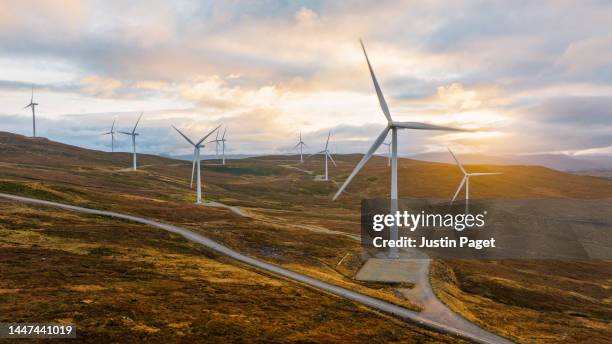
[
  {"x": 100, "y": 87},
  {"x": 535, "y": 76}
]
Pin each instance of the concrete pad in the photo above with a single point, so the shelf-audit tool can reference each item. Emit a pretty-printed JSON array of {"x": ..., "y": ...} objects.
[{"x": 389, "y": 270}]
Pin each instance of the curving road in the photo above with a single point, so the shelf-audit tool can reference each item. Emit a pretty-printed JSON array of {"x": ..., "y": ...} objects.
[{"x": 380, "y": 305}]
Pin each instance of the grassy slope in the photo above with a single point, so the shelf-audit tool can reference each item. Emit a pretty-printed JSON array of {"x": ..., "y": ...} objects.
[
  {"x": 290, "y": 197},
  {"x": 123, "y": 282}
]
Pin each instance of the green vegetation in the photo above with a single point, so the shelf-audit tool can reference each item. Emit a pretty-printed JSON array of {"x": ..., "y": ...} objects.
[{"x": 22, "y": 189}]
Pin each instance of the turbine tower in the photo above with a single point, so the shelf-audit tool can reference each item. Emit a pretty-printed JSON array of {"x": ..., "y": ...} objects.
[
  {"x": 392, "y": 126},
  {"x": 133, "y": 134},
  {"x": 466, "y": 181},
  {"x": 112, "y": 134},
  {"x": 196, "y": 160},
  {"x": 33, "y": 106},
  {"x": 221, "y": 141},
  {"x": 301, "y": 144},
  {"x": 327, "y": 154}
]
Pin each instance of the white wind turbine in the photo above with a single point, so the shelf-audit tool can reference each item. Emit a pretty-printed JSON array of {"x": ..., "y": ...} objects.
[
  {"x": 466, "y": 180},
  {"x": 221, "y": 141},
  {"x": 133, "y": 134},
  {"x": 301, "y": 144},
  {"x": 196, "y": 161},
  {"x": 327, "y": 154},
  {"x": 392, "y": 126},
  {"x": 33, "y": 106},
  {"x": 112, "y": 134}
]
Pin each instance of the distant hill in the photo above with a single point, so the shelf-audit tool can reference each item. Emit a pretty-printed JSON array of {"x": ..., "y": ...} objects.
[
  {"x": 560, "y": 162},
  {"x": 281, "y": 178},
  {"x": 188, "y": 157}
]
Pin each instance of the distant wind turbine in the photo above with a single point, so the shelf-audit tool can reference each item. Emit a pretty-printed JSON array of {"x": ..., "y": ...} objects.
[
  {"x": 393, "y": 127},
  {"x": 196, "y": 161},
  {"x": 327, "y": 154},
  {"x": 112, "y": 134},
  {"x": 221, "y": 141},
  {"x": 33, "y": 106},
  {"x": 133, "y": 134},
  {"x": 301, "y": 144},
  {"x": 466, "y": 180}
]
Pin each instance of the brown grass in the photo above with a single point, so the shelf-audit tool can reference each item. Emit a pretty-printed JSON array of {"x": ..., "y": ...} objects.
[
  {"x": 506, "y": 297},
  {"x": 122, "y": 282}
]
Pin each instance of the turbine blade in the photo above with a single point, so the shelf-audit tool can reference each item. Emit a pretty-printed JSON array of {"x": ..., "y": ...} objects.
[
  {"x": 379, "y": 94},
  {"x": 207, "y": 135},
  {"x": 327, "y": 143},
  {"x": 113, "y": 126},
  {"x": 363, "y": 161},
  {"x": 139, "y": 117},
  {"x": 32, "y": 98},
  {"x": 27, "y": 106},
  {"x": 424, "y": 126},
  {"x": 126, "y": 133},
  {"x": 484, "y": 173},
  {"x": 458, "y": 189},
  {"x": 183, "y": 135},
  {"x": 193, "y": 166},
  {"x": 332, "y": 159},
  {"x": 296, "y": 146},
  {"x": 224, "y": 131},
  {"x": 457, "y": 161}
]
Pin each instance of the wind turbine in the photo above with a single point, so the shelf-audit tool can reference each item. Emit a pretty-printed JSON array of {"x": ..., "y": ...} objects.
[
  {"x": 222, "y": 141},
  {"x": 466, "y": 180},
  {"x": 112, "y": 134},
  {"x": 301, "y": 144},
  {"x": 392, "y": 126},
  {"x": 327, "y": 154},
  {"x": 388, "y": 144},
  {"x": 133, "y": 134},
  {"x": 196, "y": 160},
  {"x": 32, "y": 105}
]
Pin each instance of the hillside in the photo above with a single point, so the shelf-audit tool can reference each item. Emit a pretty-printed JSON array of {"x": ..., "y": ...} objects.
[
  {"x": 293, "y": 216},
  {"x": 559, "y": 162}
]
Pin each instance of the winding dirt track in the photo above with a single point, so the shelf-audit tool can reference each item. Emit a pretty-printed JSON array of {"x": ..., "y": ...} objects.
[{"x": 478, "y": 335}]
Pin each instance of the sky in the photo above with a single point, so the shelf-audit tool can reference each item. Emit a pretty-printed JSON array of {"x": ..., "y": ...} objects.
[{"x": 528, "y": 77}]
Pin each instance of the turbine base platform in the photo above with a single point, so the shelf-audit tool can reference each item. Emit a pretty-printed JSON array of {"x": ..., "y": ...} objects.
[{"x": 389, "y": 270}]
